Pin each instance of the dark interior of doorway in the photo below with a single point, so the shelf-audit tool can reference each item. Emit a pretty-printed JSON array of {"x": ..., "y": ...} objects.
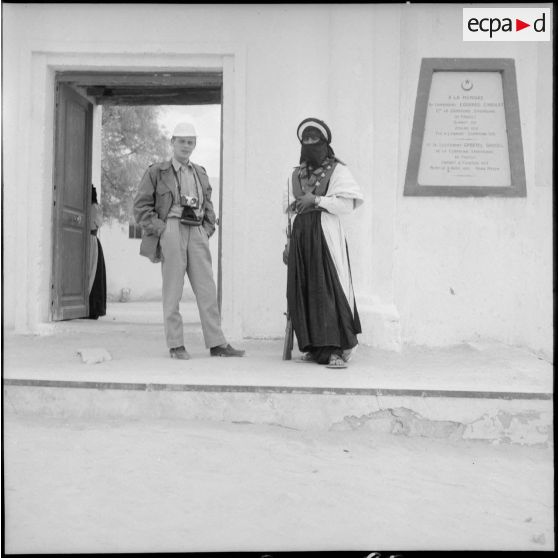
[
  {"x": 145, "y": 88},
  {"x": 132, "y": 88}
]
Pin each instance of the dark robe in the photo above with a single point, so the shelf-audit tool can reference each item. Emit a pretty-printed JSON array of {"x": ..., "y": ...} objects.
[
  {"x": 98, "y": 294},
  {"x": 321, "y": 316}
]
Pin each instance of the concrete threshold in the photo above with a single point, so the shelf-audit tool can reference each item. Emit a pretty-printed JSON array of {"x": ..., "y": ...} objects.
[{"x": 485, "y": 391}]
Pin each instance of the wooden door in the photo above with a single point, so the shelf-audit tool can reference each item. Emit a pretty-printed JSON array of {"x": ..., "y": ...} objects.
[
  {"x": 220, "y": 216},
  {"x": 72, "y": 200}
]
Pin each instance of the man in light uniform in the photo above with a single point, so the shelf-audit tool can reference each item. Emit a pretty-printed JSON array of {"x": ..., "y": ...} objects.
[{"x": 173, "y": 206}]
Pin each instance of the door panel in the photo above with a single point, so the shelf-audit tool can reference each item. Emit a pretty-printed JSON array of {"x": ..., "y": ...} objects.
[
  {"x": 72, "y": 197},
  {"x": 220, "y": 216}
]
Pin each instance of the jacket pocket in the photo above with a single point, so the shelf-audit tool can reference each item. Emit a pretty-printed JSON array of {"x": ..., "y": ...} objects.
[{"x": 163, "y": 203}]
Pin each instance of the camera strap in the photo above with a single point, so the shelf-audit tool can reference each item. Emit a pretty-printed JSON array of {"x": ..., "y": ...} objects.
[{"x": 177, "y": 181}]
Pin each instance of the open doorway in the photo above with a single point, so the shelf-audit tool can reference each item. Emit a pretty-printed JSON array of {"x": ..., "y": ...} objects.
[
  {"x": 193, "y": 96},
  {"x": 125, "y": 157}
]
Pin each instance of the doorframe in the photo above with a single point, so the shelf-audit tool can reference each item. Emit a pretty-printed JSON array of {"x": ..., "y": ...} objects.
[
  {"x": 115, "y": 79},
  {"x": 36, "y": 110}
]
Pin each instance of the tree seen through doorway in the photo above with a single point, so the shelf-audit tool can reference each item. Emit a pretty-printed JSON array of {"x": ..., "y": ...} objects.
[{"x": 131, "y": 140}]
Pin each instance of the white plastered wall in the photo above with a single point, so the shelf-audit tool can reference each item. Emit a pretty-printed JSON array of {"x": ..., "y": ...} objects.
[
  {"x": 477, "y": 268},
  {"x": 364, "y": 104}
]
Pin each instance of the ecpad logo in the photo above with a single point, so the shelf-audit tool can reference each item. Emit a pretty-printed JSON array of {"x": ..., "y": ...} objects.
[
  {"x": 494, "y": 24},
  {"x": 506, "y": 24}
]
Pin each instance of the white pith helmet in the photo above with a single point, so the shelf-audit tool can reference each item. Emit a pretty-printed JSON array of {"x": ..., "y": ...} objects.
[{"x": 184, "y": 129}]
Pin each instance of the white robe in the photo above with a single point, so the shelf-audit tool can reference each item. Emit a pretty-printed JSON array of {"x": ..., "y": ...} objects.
[{"x": 343, "y": 196}]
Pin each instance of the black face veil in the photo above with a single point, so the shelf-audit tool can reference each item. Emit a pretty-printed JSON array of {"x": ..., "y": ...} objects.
[{"x": 314, "y": 153}]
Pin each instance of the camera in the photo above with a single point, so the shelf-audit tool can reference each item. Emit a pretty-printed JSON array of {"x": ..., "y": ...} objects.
[{"x": 188, "y": 201}]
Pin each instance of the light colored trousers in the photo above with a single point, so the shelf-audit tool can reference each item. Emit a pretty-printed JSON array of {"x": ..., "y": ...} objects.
[{"x": 185, "y": 249}]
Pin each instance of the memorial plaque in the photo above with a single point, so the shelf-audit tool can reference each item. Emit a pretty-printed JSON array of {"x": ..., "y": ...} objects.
[{"x": 466, "y": 134}]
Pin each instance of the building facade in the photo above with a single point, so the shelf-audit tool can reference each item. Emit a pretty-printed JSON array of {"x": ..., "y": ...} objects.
[{"x": 426, "y": 270}]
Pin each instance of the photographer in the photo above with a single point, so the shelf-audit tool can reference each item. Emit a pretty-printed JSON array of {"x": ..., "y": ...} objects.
[{"x": 173, "y": 207}]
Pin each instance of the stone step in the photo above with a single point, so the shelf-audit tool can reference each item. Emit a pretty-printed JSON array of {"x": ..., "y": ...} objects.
[{"x": 498, "y": 417}]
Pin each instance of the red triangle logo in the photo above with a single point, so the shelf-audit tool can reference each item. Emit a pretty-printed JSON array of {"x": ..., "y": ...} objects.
[{"x": 519, "y": 25}]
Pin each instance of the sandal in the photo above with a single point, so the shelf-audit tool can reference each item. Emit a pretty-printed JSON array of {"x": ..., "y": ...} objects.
[
  {"x": 335, "y": 361},
  {"x": 306, "y": 357},
  {"x": 348, "y": 354}
]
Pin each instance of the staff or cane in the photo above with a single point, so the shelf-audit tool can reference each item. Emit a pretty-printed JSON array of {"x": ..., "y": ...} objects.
[{"x": 288, "y": 343}]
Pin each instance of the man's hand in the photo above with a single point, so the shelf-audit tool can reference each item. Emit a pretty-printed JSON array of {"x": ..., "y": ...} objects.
[
  {"x": 158, "y": 226},
  {"x": 305, "y": 202}
]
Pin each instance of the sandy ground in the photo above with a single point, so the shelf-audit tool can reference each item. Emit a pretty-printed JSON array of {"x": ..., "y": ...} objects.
[{"x": 155, "y": 485}]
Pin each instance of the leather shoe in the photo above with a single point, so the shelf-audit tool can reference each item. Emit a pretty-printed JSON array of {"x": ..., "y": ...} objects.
[
  {"x": 180, "y": 353},
  {"x": 227, "y": 351}
]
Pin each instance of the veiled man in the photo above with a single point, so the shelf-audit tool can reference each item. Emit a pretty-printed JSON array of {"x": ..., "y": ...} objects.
[{"x": 320, "y": 294}]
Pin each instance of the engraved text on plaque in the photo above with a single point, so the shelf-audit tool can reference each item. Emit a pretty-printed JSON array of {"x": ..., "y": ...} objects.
[{"x": 465, "y": 139}]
